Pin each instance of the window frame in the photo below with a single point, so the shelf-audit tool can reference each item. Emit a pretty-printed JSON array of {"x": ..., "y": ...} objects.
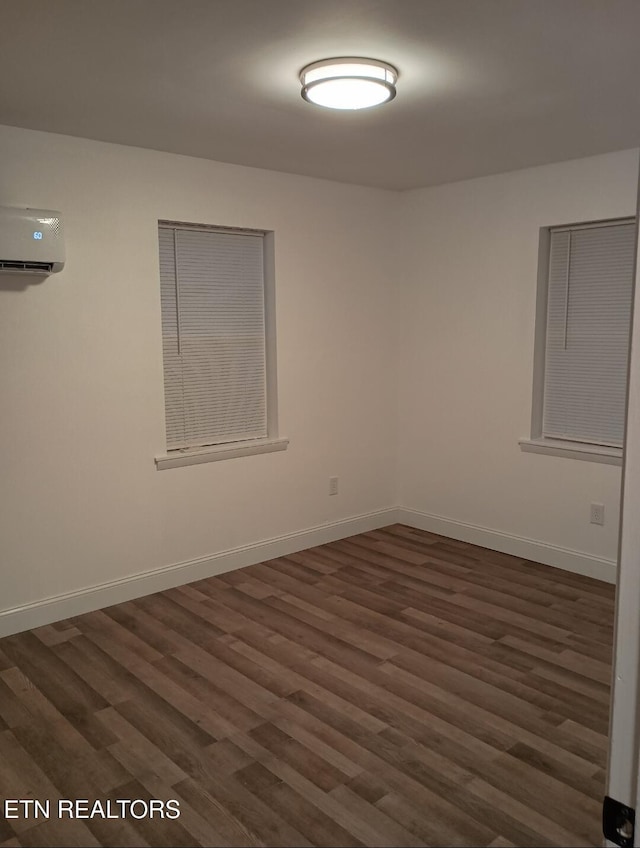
[
  {"x": 177, "y": 457},
  {"x": 539, "y": 443}
]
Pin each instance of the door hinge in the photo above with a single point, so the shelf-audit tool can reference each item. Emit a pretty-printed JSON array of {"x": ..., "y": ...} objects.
[{"x": 618, "y": 822}]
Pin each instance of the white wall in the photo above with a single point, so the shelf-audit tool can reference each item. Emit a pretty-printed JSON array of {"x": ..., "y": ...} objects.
[
  {"x": 81, "y": 502},
  {"x": 471, "y": 253},
  {"x": 405, "y": 348}
]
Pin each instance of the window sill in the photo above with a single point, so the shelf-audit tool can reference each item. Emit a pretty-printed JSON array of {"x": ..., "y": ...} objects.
[
  {"x": 195, "y": 456},
  {"x": 573, "y": 450}
]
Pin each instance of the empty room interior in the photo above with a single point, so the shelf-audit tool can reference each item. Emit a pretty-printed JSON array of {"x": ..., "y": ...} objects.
[{"x": 313, "y": 414}]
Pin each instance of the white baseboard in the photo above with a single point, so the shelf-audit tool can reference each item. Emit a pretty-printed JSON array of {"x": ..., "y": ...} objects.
[
  {"x": 518, "y": 546},
  {"x": 63, "y": 606}
]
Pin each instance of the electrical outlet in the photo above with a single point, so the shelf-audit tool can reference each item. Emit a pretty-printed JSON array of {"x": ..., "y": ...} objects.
[
  {"x": 597, "y": 513},
  {"x": 333, "y": 485}
]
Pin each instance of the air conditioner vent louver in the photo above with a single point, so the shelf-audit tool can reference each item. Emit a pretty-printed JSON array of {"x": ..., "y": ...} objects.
[{"x": 26, "y": 267}]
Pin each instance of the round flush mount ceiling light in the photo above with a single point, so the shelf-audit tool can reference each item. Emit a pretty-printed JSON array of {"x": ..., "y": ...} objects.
[{"x": 348, "y": 83}]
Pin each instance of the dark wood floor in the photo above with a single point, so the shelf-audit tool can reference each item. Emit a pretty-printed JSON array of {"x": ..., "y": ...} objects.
[{"x": 395, "y": 688}]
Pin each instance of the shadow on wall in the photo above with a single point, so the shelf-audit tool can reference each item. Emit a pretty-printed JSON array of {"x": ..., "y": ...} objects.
[{"x": 20, "y": 282}]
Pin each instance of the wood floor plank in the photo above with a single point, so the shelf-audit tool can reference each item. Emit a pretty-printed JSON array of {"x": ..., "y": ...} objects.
[
  {"x": 76, "y": 734},
  {"x": 524, "y": 825},
  {"x": 132, "y": 742},
  {"x": 56, "y": 832},
  {"x": 318, "y": 828},
  {"x": 383, "y": 829},
  {"x": 21, "y": 777},
  {"x": 225, "y": 822},
  {"x": 393, "y": 688}
]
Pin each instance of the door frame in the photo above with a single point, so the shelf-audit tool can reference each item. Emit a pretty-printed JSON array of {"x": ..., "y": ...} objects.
[{"x": 624, "y": 722}]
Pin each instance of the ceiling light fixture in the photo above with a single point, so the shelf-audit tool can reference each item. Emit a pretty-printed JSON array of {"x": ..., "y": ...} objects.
[{"x": 348, "y": 83}]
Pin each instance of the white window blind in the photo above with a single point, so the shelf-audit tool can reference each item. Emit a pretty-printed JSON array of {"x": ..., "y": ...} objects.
[
  {"x": 587, "y": 338},
  {"x": 213, "y": 333}
]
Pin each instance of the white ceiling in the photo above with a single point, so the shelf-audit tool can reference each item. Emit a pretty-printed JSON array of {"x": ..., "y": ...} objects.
[{"x": 485, "y": 85}]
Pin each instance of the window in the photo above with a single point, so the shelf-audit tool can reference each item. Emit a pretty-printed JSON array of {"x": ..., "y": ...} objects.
[
  {"x": 582, "y": 338},
  {"x": 218, "y": 340}
]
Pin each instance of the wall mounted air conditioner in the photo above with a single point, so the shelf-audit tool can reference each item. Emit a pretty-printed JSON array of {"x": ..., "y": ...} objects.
[{"x": 31, "y": 241}]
